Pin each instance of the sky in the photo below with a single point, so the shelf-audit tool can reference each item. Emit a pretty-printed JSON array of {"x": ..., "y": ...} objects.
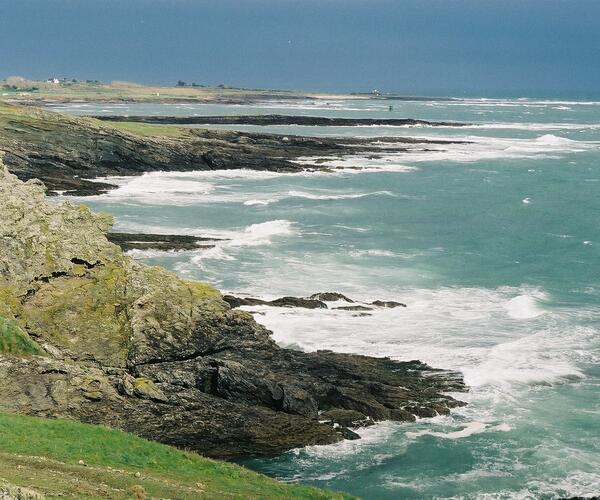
[{"x": 418, "y": 47}]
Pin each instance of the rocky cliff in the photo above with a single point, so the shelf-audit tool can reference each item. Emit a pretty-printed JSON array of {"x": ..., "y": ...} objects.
[{"x": 97, "y": 337}]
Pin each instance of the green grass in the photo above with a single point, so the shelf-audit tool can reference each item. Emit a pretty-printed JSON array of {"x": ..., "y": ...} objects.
[
  {"x": 16, "y": 342},
  {"x": 149, "y": 130},
  {"x": 45, "y": 455}
]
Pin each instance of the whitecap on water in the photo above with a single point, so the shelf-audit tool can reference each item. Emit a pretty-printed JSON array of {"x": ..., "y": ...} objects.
[{"x": 523, "y": 307}]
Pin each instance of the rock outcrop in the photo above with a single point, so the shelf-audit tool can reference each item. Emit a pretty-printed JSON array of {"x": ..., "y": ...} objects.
[
  {"x": 164, "y": 242},
  {"x": 135, "y": 347},
  {"x": 266, "y": 120},
  {"x": 65, "y": 152},
  {"x": 315, "y": 301}
]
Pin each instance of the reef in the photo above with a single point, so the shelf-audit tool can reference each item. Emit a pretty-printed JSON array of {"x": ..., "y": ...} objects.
[{"x": 267, "y": 120}]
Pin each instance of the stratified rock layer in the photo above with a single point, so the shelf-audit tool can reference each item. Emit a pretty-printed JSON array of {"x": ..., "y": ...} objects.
[{"x": 136, "y": 347}]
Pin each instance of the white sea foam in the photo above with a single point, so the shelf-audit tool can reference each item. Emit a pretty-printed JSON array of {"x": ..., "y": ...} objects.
[
  {"x": 263, "y": 233},
  {"x": 216, "y": 253},
  {"x": 495, "y": 337},
  {"x": 471, "y": 429},
  {"x": 523, "y": 307},
  {"x": 373, "y": 252},
  {"x": 468, "y": 149},
  {"x": 370, "y": 436}
]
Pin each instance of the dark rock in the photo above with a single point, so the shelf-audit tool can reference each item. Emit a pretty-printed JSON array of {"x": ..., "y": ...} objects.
[
  {"x": 278, "y": 120},
  {"x": 281, "y": 302},
  {"x": 298, "y": 302},
  {"x": 165, "y": 242},
  {"x": 348, "y": 434},
  {"x": 330, "y": 297},
  {"x": 243, "y": 301},
  {"x": 346, "y": 418},
  {"x": 354, "y": 308},
  {"x": 388, "y": 303}
]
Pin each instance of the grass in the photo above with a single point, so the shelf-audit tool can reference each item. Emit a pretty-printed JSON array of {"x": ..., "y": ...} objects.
[
  {"x": 13, "y": 118},
  {"x": 84, "y": 461},
  {"x": 14, "y": 341},
  {"x": 150, "y": 130}
]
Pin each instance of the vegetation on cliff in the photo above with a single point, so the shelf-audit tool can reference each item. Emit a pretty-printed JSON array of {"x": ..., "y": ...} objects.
[
  {"x": 137, "y": 348},
  {"x": 65, "y": 458},
  {"x": 13, "y": 340}
]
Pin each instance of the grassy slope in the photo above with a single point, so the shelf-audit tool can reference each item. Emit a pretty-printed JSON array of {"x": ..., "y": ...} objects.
[
  {"x": 45, "y": 455},
  {"x": 150, "y": 130},
  {"x": 12, "y": 117}
]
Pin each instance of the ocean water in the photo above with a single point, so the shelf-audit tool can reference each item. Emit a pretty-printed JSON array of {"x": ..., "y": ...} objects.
[{"x": 493, "y": 245}]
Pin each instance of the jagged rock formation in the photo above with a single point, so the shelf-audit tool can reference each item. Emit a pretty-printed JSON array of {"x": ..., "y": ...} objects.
[{"x": 136, "y": 347}]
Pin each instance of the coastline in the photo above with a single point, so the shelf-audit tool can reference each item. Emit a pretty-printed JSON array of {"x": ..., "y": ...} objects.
[
  {"x": 66, "y": 152},
  {"x": 183, "y": 368},
  {"x": 528, "y": 358}
]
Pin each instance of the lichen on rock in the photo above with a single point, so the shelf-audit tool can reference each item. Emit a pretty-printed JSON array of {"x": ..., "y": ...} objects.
[{"x": 136, "y": 347}]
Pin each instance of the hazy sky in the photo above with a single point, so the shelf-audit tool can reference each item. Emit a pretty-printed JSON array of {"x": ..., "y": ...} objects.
[{"x": 474, "y": 47}]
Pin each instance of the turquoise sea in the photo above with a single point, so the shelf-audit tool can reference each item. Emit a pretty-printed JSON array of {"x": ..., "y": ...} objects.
[{"x": 494, "y": 245}]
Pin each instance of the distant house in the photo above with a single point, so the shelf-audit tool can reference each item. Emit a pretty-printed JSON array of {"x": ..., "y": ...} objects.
[{"x": 55, "y": 81}]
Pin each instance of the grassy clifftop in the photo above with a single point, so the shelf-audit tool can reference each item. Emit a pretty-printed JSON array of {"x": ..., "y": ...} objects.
[{"x": 54, "y": 457}]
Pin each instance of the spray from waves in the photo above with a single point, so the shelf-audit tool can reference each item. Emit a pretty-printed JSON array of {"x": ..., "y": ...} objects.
[
  {"x": 495, "y": 337},
  {"x": 184, "y": 188},
  {"x": 523, "y": 307},
  {"x": 261, "y": 234},
  {"x": 467, "y": 149},
  {"x": 226, "y": 245}
]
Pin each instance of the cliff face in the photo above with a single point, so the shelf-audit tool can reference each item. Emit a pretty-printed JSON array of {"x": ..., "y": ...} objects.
[{"x": 111, "y": 341}]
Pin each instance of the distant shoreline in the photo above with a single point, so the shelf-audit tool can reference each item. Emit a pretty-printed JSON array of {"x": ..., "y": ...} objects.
[{"x": 37, "y": 92}]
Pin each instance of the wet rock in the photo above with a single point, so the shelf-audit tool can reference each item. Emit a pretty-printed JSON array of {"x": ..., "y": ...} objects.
[
  {"x": 277, "y": 120},
  {"x": 239, "y": 301},
  {"x": 346, "y": 418},
  {"x": 387, "y": 303},
  {"x": 354, "y": 308},
  {"x": 330, "y": 297},
  {"x": 165, "y": 242},
  {"x": 298, "y": 302},
  {"x": 281, "y": 302},
  {"x": 348, "y": 434}
]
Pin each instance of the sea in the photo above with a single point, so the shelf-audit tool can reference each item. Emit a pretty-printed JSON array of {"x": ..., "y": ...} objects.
[{"x": 493, "y": 244}]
